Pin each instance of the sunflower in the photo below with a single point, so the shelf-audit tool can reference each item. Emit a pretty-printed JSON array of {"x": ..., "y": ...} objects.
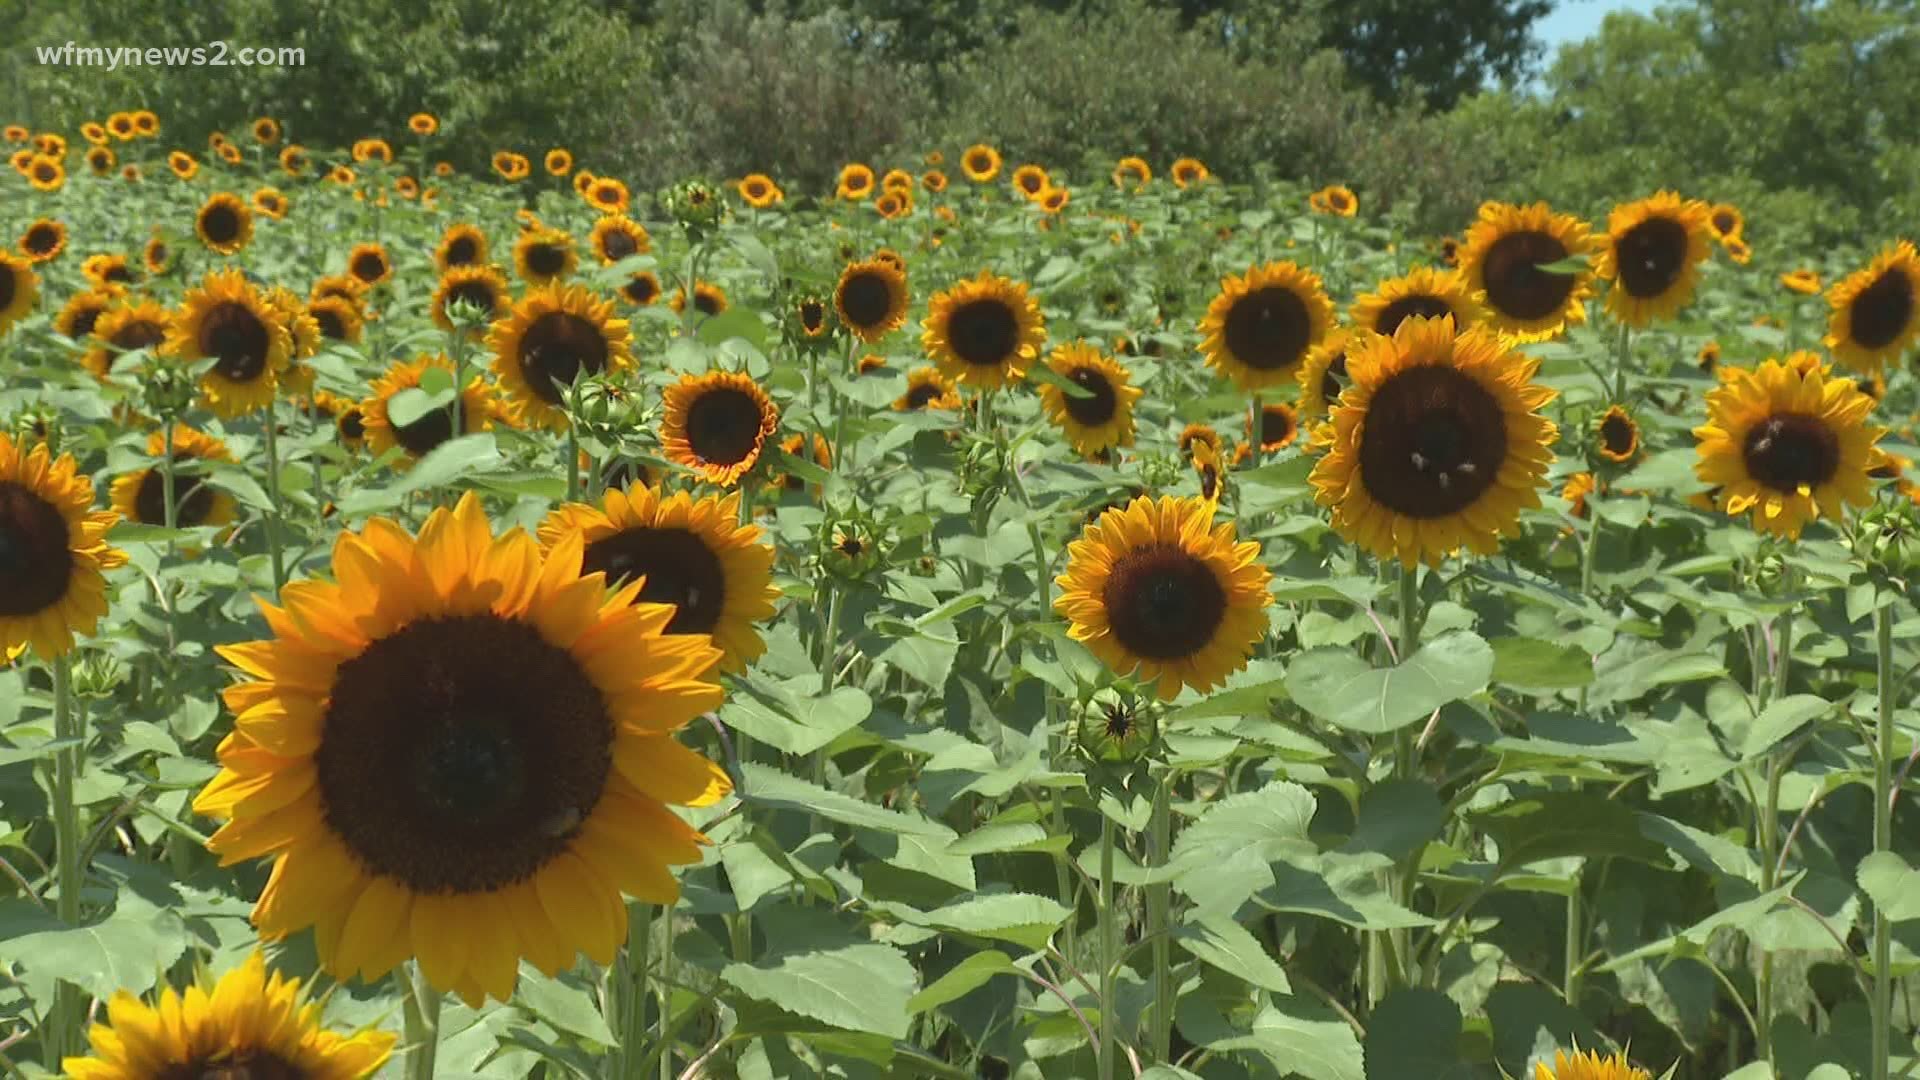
[
  {"x": 1438, "y": 443},
  {"x": 984, "y": 332},
  {"x": 226, "y": 320},
  {"x": 1053, "y": 200},
  {"x": 553, "y": 336},
  {"x": 338, "y": 319},
  {"x": 1340, "y": 200},
  {"x": 1501, "y": 263},
  {"x": 855, "y": 182},
  {"x": 224, "y": 224},
  {"x": 44, "y": 240},
  {"x": 127, "y": 326},
  {"x": 1279, "y": 426},
  {"x": 101, "y": 160},
  {"x": 462, "y": 244},
  {"x": 346, "y": 287},
  {"x": 406, "y": 187},
  {"x": 1262, "y": 325},
  {"x": 892, "y": 204},
  {"x": 130, "y": 173},
  {"x": 94, "y": 133},
  {"x": 544, "y": 256},
  {"x": 981, "y": 163},
  {"x": 1030, "y": 180},
  {"x": 141, "y": 495},
  {"x": 617, "y": 236},
  {"x": 19, "y": 290},
  {"x": 708, "y": 299},
  {"x": 895, "y": 179},
  {"x": 1187, "y": 172},
  {"x": 350, "y": 424},
  {"x": 1708, "y": 357},
  {"x": 810, "y": 315},
  {"x": 479, "y": 408},
  {"x": 293, "y": 159},
  {"x": 46, "y": 174},
  {"x": 271, "y": 202},
  {"x": 183, "y": 165},
  {"x": 871, "y": 299},
  {"x": 462, "y": 751},
  {"x": 1157, "y": 588},
  {"x": 692, "y": 554},
  {"x": 1317, "y": 202},
  {"x": 927, "y": 388},
  {"x": 558, "y": 162},
  {"x": 51, "y": 144},
  {"x": 1323, "y": 377},
  {"x": 510, "y": 166},
  {"x": 16, "y": 133},
  {"x": 119, "y": 125},
  {"x": 641, "y": 289},
  {"x": 717, "y": 424},
  {"x": 1725, "y": 223},
  {"x": 229, "y": 153},
  {"x": 107, "y": 271},
  {"x": 1424, "y": 292},
  {"x": 365, "y": 150},
  {"x": 1193, "y": 435},
  {"x": 342, "y": 176},
  {"x": 1104, "y": 418},
  {"x": 82, "y": 312},
  {"x": 1619, "y": 435},
  {"x": 759, "y": 191},
  {"x": 1789, "y": 442},
  {"x": 1575, "y": 492},
  {"x": 303, "y": 336},
  {"x": 369, "y": 264},
  {"x": 1132, "y": 174},
  {"x": 934, "y": 181},
  {"x": 1876, "y": 310},
  {"x": 1737, "y": 250},
  {"x": 423, "y": 123},
  {"x": 1588, "y": 1066},
  {"x": 484, "y": 287},
  {"x": 266, "y": 130},
  {"x": 891, "y": 258},
  {"x": 1650, "y": 256},
  {"x": 1803, "y": 281},
  {"x": 609, "y": 195},
  {"x": 146, "y": 123},
  {"x": 51, "y": 587}
]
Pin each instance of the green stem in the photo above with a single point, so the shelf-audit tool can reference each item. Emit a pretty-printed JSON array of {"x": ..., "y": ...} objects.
[
  {"x": 422, "y": 1020},
  {"x": 1620, "y": 365},
  {"x": 573, "y": 462},
  {"x": 1881, "y": 1049},
  {"x": 631, "y": 981},
  {"x": 1109, "y": 948},
  {"x": 271, "y": 526},
  {"x": 64, "y": 1020},
  {"x": 663, "y": 1044},
  {"x": 1575, "y": 944},
  {"x": 1159, "y": 920},
  {"x": 1404, "y": 767},
  {"x": 829, "y": 673}
]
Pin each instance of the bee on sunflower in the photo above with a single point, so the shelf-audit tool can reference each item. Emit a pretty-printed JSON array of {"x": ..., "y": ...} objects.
[{"x": 1650, "y": 256}]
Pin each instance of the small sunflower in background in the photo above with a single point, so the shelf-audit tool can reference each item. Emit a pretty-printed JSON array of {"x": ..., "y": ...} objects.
[
  {"x": 544, "y": 256},
  {"x": 1323, "y": 376},
  {"x": 51, "y": 585},
  {"x": 1708, "y": 356},
  {"x": 423, "y": 123},
  {"x": 224, "y": 224},
  {"x": 365, "y": 150},
  {"x": 617, "y": 236},
  {"x": 1588, "y": 1066},
  {"x": 759, "y": 191},
  {"x": 980, "y": 163},
  {"x": 230, "y": 154},
  {"x": 141, "y": 495},
  {"x": 1650, "y": 256},
  {"x": 1618, "y": 435},
  {"x": 558, "y": 162},
  {"x": 1103, "y": 418},
  {"x": 934, "y": 181},
  {"x": 855, "y": 182},
  {"x": 1186, "y": 172},
  {"x": 984, "y": 332},
  {"x": 1789, "y": 442},
  {"x": 609, "y": 196},
  {"x": 693, "y": 554},
  {"x": 1053, "y": 200},
  {"x": 896, "y": 180},
  {"x": 1575, "y": 492},
  {"x": 717, "y": 425},
  {"x": 555, "y": 335},
  {"x": 510, "y": 166},
  {"x": 1737, "y": 250},
  {"x": 146, "y": 123},
  {"x": 927, "y": 389},
  {"x": 46, "y": 174},
  {"x": 483, "y": 287},
  {"x": 1876, "y": 310},
  {"x": 338, "y": 320},
  {"x": 270, "y": 202},
  {"x": 369, "y": 264},
  {"x": 463, "y": 244},
  {"x": 1132, "y": 173},
  {"x": 293, "y": 159},
  {"x": 107, "y": 270},
  {"x": 228, "y": 321},
  {"x": 709, "y": 299},
  {"x": 1725, "y": 222},
  {"x": 1279, "y": 427},
  {"x": 119, "y": 125},
  {"x": 129, "y": 325},
  {"x": 811, "y": 317},
  {"x": 1420, "y": 293},
  {"x": 44, "y": 240},
  {"x": 82, "y": 312},
  {"x": 642, "y": 289},
  {"x": 1501, "y": 263},
  {"x": 1262, "y": 324},
  {"x": 1194, "y": 435},
  {"x": 1437, "y": 444},
  {"x": 1337, "y": 200},
  {"x": 1802, "y": 280},
  {"x": 419, "y": 435},
  {"x": 101, "y": 160},
  {"x": 1030, "y": 180},
  {"x": 266, "y": 131},
  {"x": 871, "y": 298},
  {"x": 1157, "y": 588}
]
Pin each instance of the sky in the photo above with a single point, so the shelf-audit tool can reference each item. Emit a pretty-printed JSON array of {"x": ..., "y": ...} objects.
[{"x": 1572, "y": 20}]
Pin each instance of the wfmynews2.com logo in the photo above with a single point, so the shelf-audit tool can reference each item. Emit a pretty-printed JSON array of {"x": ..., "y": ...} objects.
[{"x": 212, "y": 54}]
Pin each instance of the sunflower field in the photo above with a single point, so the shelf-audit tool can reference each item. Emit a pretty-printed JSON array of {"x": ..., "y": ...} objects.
[{"x": 980, "y": 618}]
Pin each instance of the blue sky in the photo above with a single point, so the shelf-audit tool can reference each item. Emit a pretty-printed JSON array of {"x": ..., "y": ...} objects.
[{"x": 1572, "y": 20}]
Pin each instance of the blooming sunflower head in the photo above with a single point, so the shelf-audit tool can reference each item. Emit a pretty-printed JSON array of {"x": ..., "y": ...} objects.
[
  {"x": 642, "y": 289},
  {"x": 1588, "y": 1065},
  {"x": 1279, "y": 427},
  {"x": 708, "y": 299},
  {"x": 1423, "y": 293},
  {"x": 228, "y": 321},
  {"x": 1502, "y": 261},
  {"x": 1618, "y": 436},
  {"x": 1876, "y": 310},
  {"x": 871, "y": 298},
  {"x": 1030, "y": 180},
  {"x": 294, "y": 160},
  {"x": 81, "y": 312},
  {"x": 542, "y": 256},
  {"x": 1262, "y": 324},
  {"x": 617, "y": 236},
  {"x": 1323, "y": 377},
  {"x": 609, "y": 196},
  {"x": 19, "y": 290},
  {"x": 1186, "y": 172},
  {"x": 1132, "y": 173},
  {"x": 51, "y": 585},
  {"x": 1437, "y": 444},
  {"x": 338, "y": 319},
  {"x": 1725, "y": 222},
  {"x": 369, "y": 264},
  {"x": 423, "y": 123},
  {"x": 271, "y": 202},
  {"x": 927, "y": 388},
  {"x": 461, "y": 245},
  {"x": 1650, "y": 256},
  {"x": 140, "y": 495},
  {"x": 981, "y": 163},
  {"x": 1788, "y": 441},
  {"x": 717, "y": 425},
  {"x": 554, "y": 336},
  {"x": 559, "y": 162},
  {"x": 984, "y": 332},
  {"x": 129, "y": 325},
  {"x": 759, "y": 191},
  {"x": 394, "y": 416},
  {"x": 483, "y": 288},
  {"x": 224, "y": 224},
  {"x": 108, "y": 271},
  {"x": 1802, "y": 280},
  {"x": 1157, "y": 588},
  {"x": 1100, "y": 416},
  {"x": 854, "y": 182}
]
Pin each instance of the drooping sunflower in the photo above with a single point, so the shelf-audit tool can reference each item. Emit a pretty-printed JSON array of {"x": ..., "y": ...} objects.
[
  {"x": 1279, "y": 426},
  {"x": 484, "y": 287},
  {"x": 1789, "y": 442},
  {"x": 1262, "y": 324},
  {"x": 44, "y": 240},
  {"x": 717, "y": 425},
  {"x": 1619, "y": 435},
  {"x": 1030, "y": 180},
  {"x": 271, "y": 202},
  {"x": 245, "y": 1024},
  {"x": 984, "y": 332},
  {"x": 1132, "y": 173},
  {"x": 82, "y": 312},
  {"x": 553, "y": 336},
  {"x": 1725, "y": 222},
  {"x": 1424, "y": 292},
  {"x": 338, "y": 320},
  {"x": 1876, "y": 310},
  {"x": 1802, "y": 280},
  {"x": 462, "y": 751},
  {"x": 1187, "y": 172},
  {"x": 128, "y": 325},
  {"x": 559, "y": 162},
  {"x": 1651, "y": 255},
  {"x": 1737, "y": 250},
  {"x": 462, "y": 244},
  {"x": 228, "y": 321},
  {"x": 981, "y": 163},
  {"x": 716, "y": 574},
  {"x": 641, "y": 289},
  {"x": 854, "y": 182},
  {"x": 1104, "y": 418},
  {"x": 1159, "y": 589},
  {"x": 609, "y": 196},
  {"x": 616, "y": 237},
  {"x": 1323, "y": 376},
  {"x": 224, "y": 224},
  {"x": 183, "y": 165},
  {"x": 544, "y": 256},
  {"x": 1437, "y": 445},
  {"x": 370, "y": 264},
  {"x": 871, "y": 298},
  {"x": 19, "y": 290},
  {"x": 927, "y": 388},
  {"x": 759, "y": 191},
  {"x": 708, "y": 299},
  {"x": 479, "y": 409},
  {"x": 51, "y": 587},
  {"x": 157, "y": 256},
  {"x": 141, "y": 495},
  {"x": 1588, "y": 1065},
  {"x": 1501, "y": 263}
]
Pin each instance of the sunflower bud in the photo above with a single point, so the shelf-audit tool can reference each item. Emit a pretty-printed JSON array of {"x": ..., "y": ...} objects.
[
  {"x": 1116, "y": 728},
  {"x": 167, "y": 390},
  {"x": 808, "y": 321},
  {"x": 1885, "y": 540},
  {"x": 38, "y": 425},
  {"x": 696, "y": 204},
  {"x": 96, "y": 674}
]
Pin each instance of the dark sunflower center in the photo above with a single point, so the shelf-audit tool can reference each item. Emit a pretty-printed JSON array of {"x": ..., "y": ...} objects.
[
  {"x": 546, "y": 260},
  {"x": 478, "y": 293},
  {"x": 353, "y": 424},
  {"x": 706, "y": 302},
  {"x": 1276, "y": 427},
  {"x": 1723, "y": 222},
  {"x": 117, "y": 272},
  {"x": 1433, "y": 441},
  {"x": 246, "y": 1065},
  {"x": 463, "y": 251},
  {"x": 7, "y": 288},
  {"x": 813, "y": 316},
  {"x": 460, "y": 753},
  {"x": 1337, "y": 200},
  {"x": 1652, "y": 255},
  {"x": 139, "y": 334},
  {"x": 220, "y": 224},
  {"x": 1030, "y": 183},
  {"x": 919, "y": 396},
  {"x": 1334, "y": 380},
  {"x": 1515, "y": 283},
  {"x": 1788, "y": 450},
  {"x": 1119, "y": 723},
  {"x": 554, "y": 351},
  {"x": 84, "y": 321},
  {"x": 1097, "y": 409},
  {"x": 427, "y": 431},
  {"x": 42, "y": 239},
  {"x": 1163, "y": 603},
  {"x": 35, "y": 561},
  {"x": 157, "y": 255},
  {"x": 1268, "y": 329},
  {"x": 851, "y": 547},
  {"x": 1408, "y": 307},
  {"x": 756, "y": 190},
  {"x": 618, "y": 244},
  {"x": 193, "y": 499},
  {"x": 1617, "y": 434},
  {"x": 369, "y": 267},
  {"x": 866, "y": 299},
  {"x": 237, "y": 339},
  {"x": 723, "y": 426},
  {"x": 332, "y": 326},
  {"x": 983, "y": 332},
  {"x": 1883, "y": 310},
  {"x": 679, "y": 567},
  {"x": 641, "y": 290},
  {"x": 44, "y": 172}
]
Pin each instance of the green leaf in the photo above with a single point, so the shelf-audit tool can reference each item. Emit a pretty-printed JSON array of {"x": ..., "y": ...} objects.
[
  {"x": 1045, "y": 373},
  {"x": 1218, "y": 940},
  {"x": 414, "y": 402},
  {"x": 966, "y": 977},
  {"x": 1397, "y": 818},
  {"x": 125, "y": 950},
  {"x": 1345, "y": 691},
  {"x": 738, "y": 321},
  {"x": 1415, "y": 1032},
  {"x": 1892, "y": 885},
  {"x": 856, "y": 988},
  {"x": 1022, "y": 918},
  {"x": 1557, "y": 824},
  {"x": 1304, "y": 1038},
  {"x": 769, "y": 787},
  {"x": 567, "y": 1007},
  {"x": 1540, "y": 665},
  {"x": 792, "y": 717}
]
